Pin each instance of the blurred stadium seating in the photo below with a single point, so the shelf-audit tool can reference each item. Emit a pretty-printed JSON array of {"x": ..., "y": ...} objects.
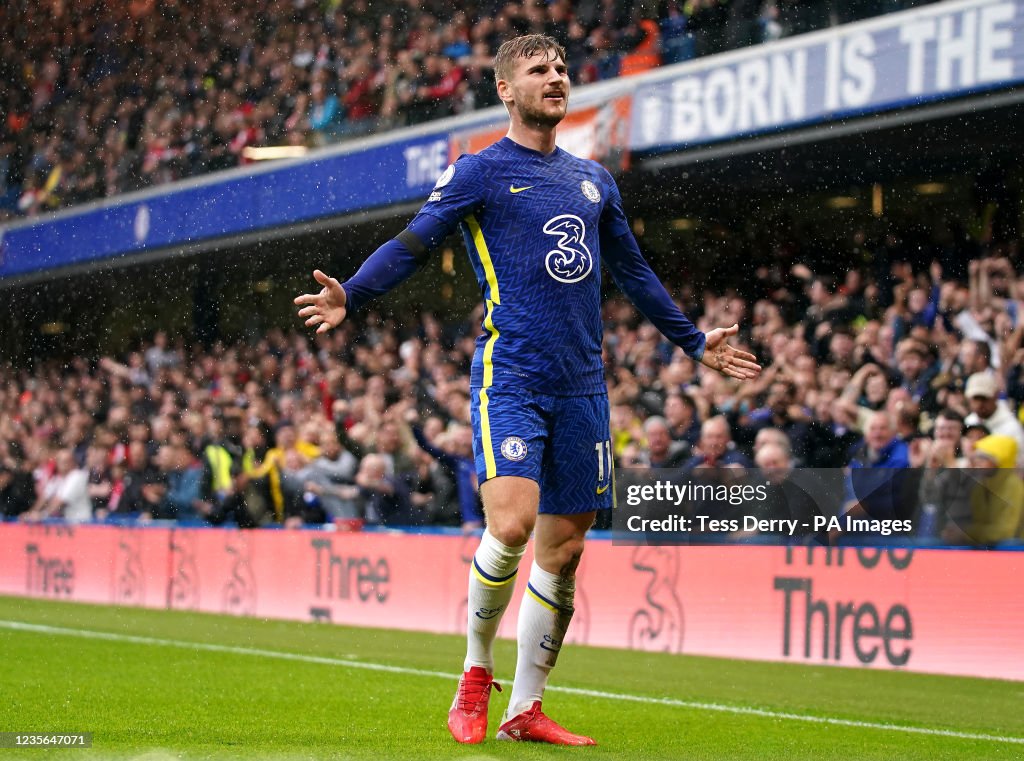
[{"x": 886, "y": 241}]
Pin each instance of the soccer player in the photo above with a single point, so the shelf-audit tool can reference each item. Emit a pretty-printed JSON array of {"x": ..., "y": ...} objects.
[{"x": 537, "y": 223}]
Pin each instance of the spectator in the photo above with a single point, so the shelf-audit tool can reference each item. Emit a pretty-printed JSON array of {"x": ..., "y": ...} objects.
[
  {"x": 997, "y": 498},
  {"x": 17, "y": 489},
  {"x": 65, "y": 495},
  {"x": 716, "y": 448},
  {"x": 717, "y": 463},
  {"x": 259, "y": 482},
  {"x": 143, "y": 485},
  {"x": 682, "y": 419},
  {"x": 945, "y": 486},
  {"x": 877, "y": 480},
  {"x": 100, "y": 480},
  {"x": 982, "y": 392},
  {"x": 183, "y": 474},
  {"x": 676, "y": 43},
  {"x": 915, "y": 369},
  {"x": 327, "y": 477},
  {"x": 441, "y": 92},
  {"x": 324, "y": 114},
  {"x": 662, "y": 451},
  {"x": 132, "y": 404},
  {"x": 832, "y": 434},
  {"x": 772, "y": 436},
  {"x": 386, "y": 498},
  {"x": 790, "y": 496},
  {"x": 781, "y": 411},
  {"x": 458, "y": 459}
]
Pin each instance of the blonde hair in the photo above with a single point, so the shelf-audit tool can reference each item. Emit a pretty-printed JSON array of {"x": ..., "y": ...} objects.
[{"x": 524, "y": 47}]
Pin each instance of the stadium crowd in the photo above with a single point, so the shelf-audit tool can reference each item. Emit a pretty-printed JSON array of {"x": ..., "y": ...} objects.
[
  {"x": 101, "y": 98},
  {"x": 891, "y": 369}
]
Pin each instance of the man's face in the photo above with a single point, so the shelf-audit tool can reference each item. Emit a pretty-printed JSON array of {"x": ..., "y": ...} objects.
[
  {"x": 968, "y": 355},
  {"x": 910, "y": 365},
  {"x": 879, "y": 432},
  {"x": 676, "y": 411},
  {"x": 388, "y": 439},
  {"x": 773, "y": 463},
  {"x": 983, "y": 406},
  {"x": 330, "y": 447},
  {"x": 537, "y": 90},
  {"x": 658, "y": 440},
  {"x": 947, "y": 431},
  {"x": 876, "y": 389},
  {"x": 714, "y": 440},
  {"x": 286, "y": 437},
  {"x": 778, "y": 398},
  {"x": 65, "y": 461}
]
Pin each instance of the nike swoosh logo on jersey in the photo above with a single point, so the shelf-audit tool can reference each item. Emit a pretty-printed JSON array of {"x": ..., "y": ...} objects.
[
  {"x": 603, "y": 489},
  {"x": 514, "y": 189}
]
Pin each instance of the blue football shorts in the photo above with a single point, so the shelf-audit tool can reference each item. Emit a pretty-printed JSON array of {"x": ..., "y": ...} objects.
[{"x": 561, "y": 442}]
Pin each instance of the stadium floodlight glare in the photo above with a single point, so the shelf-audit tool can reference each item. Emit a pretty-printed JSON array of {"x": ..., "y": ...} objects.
[
  {"x": 53, "y": 328},
  {"x": 842, "y": 202},
  {"x": 268, "y": 152}
]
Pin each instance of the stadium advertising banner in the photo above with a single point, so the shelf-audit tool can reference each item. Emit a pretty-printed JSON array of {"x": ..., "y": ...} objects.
[
  {"x": 239, "y": 203},
  {"x": 903, "y": 59},
  {"x": 938, "y": 611},
  {"x": 224, "y": 205}
]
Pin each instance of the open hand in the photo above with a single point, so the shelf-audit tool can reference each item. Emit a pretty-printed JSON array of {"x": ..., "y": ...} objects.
[
  {"x": 325, "y": 309},
  {"x": 726, "y": 359}
]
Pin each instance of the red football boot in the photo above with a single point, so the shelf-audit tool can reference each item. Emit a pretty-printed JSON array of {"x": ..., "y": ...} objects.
[
  {"x": 467, "y": 719},
  {"x": 534, "y": 726}
]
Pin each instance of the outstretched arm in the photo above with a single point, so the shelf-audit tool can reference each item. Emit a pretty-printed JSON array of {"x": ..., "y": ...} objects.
[
  {"x": 635, "y": 278},
  {"x": 387, "y": 267}
]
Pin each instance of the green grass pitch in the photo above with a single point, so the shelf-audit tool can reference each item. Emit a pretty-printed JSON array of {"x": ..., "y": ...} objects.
[{"x": 155, "y": 685}]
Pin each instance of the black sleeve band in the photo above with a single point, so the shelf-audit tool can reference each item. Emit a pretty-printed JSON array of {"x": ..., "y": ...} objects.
[{"x": 412, "y": 242}]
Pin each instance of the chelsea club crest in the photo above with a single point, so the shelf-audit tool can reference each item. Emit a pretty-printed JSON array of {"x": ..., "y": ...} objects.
[{"x": 513, "y": 448}]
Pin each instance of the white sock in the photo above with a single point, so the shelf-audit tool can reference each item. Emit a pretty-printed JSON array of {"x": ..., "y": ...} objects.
[
  {"x": 492, "y": 579},
  {"x": 544, "y": 617}
]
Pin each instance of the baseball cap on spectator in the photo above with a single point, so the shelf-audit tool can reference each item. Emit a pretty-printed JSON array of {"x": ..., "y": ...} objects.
[{"x": 981, "y": 384}]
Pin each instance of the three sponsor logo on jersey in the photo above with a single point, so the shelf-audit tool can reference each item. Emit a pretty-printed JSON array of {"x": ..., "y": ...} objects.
[{"x": 571, "y": 261}]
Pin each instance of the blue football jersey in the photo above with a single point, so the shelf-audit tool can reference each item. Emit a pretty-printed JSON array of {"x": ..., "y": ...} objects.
[
  {"x": 538, "y": 228},
  {"x": 533, "y": 225}
]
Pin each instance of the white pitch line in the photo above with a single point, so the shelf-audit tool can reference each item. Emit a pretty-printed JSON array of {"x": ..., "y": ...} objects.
[{"x": 620, "y": 696}]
